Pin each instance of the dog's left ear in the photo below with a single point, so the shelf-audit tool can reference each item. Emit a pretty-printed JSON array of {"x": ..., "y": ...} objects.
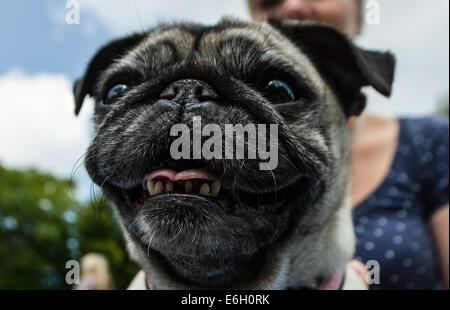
[
  {"x": 101, "y": 61},
  {"x": 347, "y": 67}
]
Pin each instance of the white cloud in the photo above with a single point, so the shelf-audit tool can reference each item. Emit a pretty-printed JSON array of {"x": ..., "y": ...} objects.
[
  {"x": 418, "y": 34},
  {"x": 37, "y": 124}
]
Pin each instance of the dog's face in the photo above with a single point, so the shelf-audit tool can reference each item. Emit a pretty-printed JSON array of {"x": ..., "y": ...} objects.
[{"x": 212, "y": 222}]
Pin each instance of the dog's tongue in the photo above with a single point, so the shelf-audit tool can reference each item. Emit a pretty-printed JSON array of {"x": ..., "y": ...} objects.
[{"x": 180, "y": 176}]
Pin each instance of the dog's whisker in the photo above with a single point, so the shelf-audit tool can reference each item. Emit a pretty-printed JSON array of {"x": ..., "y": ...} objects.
[
  {"x": 75, "y": 168},
  {"x": 273, "y": 16},
  {"x": 275, "y": 185},
  {"x": 138, "y": 16}
]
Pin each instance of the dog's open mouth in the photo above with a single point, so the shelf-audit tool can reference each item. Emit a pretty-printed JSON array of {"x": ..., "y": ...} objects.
[
  {"x": 190, "y": 214},
  {"x": 193, "y": 181},
  {"x": 190, "y": 180}
]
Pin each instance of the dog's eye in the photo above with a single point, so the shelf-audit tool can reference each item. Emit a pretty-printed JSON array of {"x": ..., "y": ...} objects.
[
  {"x": 115, "y": 92},
  {"x": 279, "y": 92}
]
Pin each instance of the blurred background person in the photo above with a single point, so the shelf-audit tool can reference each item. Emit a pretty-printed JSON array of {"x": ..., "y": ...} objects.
[
  {"x": 95, "y": 273},
  {"x": 399, "y": 171}
]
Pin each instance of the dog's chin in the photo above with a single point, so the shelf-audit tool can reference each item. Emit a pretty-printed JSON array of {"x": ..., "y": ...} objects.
[
  {"x": 205, "y": 239},
  {"x": 205, "y": 229}
]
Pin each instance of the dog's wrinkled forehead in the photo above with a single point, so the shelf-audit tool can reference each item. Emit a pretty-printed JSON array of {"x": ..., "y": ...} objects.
[
  {"x": 240, "y": 47},
  {"x": 313, "y": 54}
]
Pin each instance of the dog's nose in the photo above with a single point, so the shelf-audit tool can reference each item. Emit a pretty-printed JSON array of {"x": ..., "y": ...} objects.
[{"x": 189, "y": 91}]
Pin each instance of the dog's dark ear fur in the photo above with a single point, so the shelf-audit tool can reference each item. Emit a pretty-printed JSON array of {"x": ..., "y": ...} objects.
[
  {"x": 101, "y": 61},
  {"x": 345, "y": 66}
]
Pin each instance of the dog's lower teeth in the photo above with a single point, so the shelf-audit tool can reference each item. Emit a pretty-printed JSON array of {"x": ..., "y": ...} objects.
[
  {"x": 151, "y": 187},
  {"x": 215, "y": 188},
  {"x": 204, "y": 190},
  {"x": 159, "y": 188},
  {"x": 169, "y": 187},
  {"x": 188, "y": 186}
]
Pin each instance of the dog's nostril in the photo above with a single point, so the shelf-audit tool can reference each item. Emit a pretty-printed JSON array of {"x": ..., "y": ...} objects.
[
  {"x": 204, "y": 93},
  {"x": 185, "y": 91},
  {"x": 169, "y": 93}
]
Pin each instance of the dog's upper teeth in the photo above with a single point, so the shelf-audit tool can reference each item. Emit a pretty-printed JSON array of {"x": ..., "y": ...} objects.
[
  {"x": 151, "y": 187},
  {"x": 215, "y": 188},
  {"x": 188, "y": 186},
  {"x": 159, "y": 188},
  {"x": 169, "y": 187},
  {"x": 204, "y": 190}
]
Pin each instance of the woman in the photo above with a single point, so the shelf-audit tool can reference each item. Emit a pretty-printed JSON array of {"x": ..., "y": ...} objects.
[{"x": 399, "y": 173}]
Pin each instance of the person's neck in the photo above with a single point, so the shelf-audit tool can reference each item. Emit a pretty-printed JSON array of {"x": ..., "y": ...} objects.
[{"x": 356, "y": 126}]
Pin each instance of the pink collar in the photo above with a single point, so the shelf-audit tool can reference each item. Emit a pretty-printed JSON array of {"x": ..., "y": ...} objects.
[
  {"x": 331, "y": 283},
  {"x": 150, "y": 285}
]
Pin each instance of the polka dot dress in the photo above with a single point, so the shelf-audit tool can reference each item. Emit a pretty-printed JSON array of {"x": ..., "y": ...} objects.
[{"x": 391, "y": 225}]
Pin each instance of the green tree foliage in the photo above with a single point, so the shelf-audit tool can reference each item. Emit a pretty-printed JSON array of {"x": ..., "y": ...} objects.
[
  {"x": 99, "y": 231},
  {"x": 42, "y": 227}
]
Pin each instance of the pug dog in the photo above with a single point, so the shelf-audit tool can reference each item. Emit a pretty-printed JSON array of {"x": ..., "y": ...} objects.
[{"x": 225, "y": 223}]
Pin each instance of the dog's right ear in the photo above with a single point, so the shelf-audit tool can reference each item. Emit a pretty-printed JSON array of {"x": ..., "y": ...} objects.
[
  {"x": 347, "y": 67},
  {"x": 101, "y": 61}
]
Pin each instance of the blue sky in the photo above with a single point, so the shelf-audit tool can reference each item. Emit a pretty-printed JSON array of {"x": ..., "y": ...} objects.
[
  {"x": 41, "y": 55},
  {"x": 34, "y": 39}
]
